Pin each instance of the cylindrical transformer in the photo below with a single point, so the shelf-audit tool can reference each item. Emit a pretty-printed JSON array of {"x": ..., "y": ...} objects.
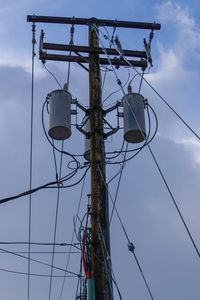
[
  {"x": 134, "y": 119},
  {"x": 86, "y": 128},
  {"x": 60, "y": 114}
]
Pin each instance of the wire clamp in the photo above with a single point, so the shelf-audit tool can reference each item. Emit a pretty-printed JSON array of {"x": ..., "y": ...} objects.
[{"x": 131, "y": 247}]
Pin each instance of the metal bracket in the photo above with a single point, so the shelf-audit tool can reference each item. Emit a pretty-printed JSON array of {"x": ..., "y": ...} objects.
[
  {"x": 111, "y": 132},
  {"x": 79, "y": 128},
  {"x": 112, "y": 108},
  {"x": 73, "y": 112},
  {"x": 120, "y": 114}
]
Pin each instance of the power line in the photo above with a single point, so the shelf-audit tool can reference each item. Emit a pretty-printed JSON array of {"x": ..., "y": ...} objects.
[
  {"x": 36, "y": 261},
  {"x": 118, "y": 184},
  {"x": 129, "y": 241},
  {"x": 174, "y": 202},
  {"x": 38, "y": 243},
  {"x": 153, "y": 156},
  {"x": 35, "y": 274},
  {"x": 52, "y": 75},
  {"x": 44, "y": 252},
  {"x": 162, "y": 98},
  {"x": 31, "y": 153},
  {"x": 45, "y": 186},
  {"x": 56, "y": 221}
]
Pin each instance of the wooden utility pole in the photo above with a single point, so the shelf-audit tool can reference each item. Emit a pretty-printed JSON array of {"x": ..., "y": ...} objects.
[
  {"x": 99, "y": 219},
  {"x": 100, "y": 240}
]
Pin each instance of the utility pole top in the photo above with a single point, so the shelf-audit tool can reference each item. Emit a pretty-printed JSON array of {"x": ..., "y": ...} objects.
[
  {"x": 90, "y": 21},
  {"x": 98, "y": 269}
]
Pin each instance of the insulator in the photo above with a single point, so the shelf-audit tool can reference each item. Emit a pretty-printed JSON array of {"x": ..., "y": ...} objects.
[
  {"x": 86, "y": 128},
  {"x": 134, "y": 118},
  {"x": 60, "y": 114}
]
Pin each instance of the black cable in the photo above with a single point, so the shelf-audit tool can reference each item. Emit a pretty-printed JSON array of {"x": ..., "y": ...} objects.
[
  {"x": 141, "y": 272},
  {"x": 111, "y": 94},
  {"x": 71, "y": 185},
  {"x": 159, "y": 169},
  {"x": 34, "y": 274},
  {"x": 165, "y": 101},
  {"x": 4, "y": 200},
  {"x": 31, "y": 153},
  {"x": 142, "y": 76},
  {"x": 45, "y": 186},
  {"x": 37, "y": 261},
  {"x": 118, "y": 185},
  {"x": 118, "y": 290},
  {"x": 174, "y": 202},
  {"x": 55, "y": 162},
  {"x": 52, "y": 75},
  {"x": 40, "y": 244},
  {"x": 56, "y": 222},
  {"x": 173, "y": 110},
  {"x": 43, "y": 252}
]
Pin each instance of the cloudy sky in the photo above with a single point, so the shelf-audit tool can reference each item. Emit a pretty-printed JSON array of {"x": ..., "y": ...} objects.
[{"x": 162, "y": 245}]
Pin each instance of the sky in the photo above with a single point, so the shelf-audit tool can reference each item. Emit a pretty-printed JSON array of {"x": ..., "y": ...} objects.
[{"x": 162, "y": 245}]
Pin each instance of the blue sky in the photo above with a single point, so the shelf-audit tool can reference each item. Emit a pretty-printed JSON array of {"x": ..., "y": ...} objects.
[{"x": 163, "y": 248}]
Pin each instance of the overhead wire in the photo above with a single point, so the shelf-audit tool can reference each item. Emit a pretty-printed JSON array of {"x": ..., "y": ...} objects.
[
  {"x": 154, "y": 158},
  {"x": 163, "y": 177},
  {"x": 107, "y": 261},
  {"x": 56, "y": 221},
  {"x": 127, "y": 237},
  {"x": 118, "y": 185},
  {"x": 162, "y": 98},
  {"x": 39, "y": 243},
  {"x": 35, "y": 274},
  {"x": 45, "y": 186},
  {"x": 36, "y": 261},
  {"x": 31, "y": 155},
  {"x": 55, "y": 162},
  {"x": 51, "y": 73}
]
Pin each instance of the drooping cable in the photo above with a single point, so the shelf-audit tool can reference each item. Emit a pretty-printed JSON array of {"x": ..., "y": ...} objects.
[
  {"x": 31, "y": 154},
  {"x": 52, "y": 75},
  {"x": 56, "y": 220},
  {"x": 53, "y": 184}
]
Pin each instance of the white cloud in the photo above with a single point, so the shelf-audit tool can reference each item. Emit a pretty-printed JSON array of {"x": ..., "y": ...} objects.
[
  {"x": 192, "y": 145},
  {"x": 186, "y": 31}
]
